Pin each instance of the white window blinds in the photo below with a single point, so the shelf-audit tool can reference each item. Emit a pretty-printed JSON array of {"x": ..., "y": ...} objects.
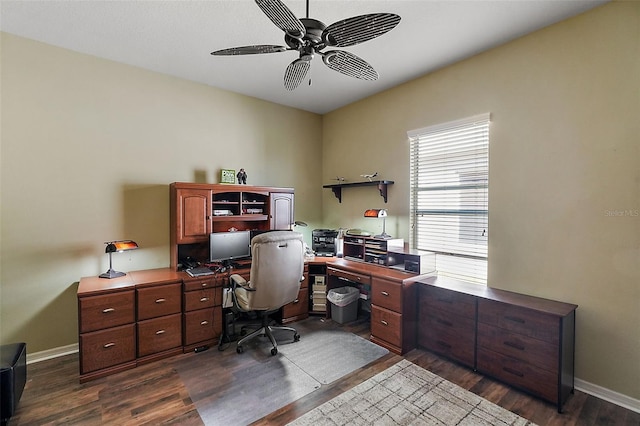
[{"x": 449, "y": 195}]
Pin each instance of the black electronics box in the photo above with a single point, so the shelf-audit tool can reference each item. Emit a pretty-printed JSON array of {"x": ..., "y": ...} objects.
[{"x": 324, "y": 242}]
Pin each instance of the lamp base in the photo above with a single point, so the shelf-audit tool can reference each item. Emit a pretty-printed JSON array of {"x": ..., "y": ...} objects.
[
  {"x": 383, "y": 236},
  {"x": 112, "y": 274}
]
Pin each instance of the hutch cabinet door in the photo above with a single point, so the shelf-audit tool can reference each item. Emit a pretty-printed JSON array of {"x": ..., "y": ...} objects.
[
  {"x": 281, "y": 211},
  {"x": 193, "y": 215}
]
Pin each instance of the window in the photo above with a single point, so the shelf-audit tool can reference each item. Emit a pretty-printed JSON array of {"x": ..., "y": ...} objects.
[{"x": 449, "y": 166}]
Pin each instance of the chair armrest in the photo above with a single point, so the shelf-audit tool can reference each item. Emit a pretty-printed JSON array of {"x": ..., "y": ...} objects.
[{"x": 237, "y": 281}]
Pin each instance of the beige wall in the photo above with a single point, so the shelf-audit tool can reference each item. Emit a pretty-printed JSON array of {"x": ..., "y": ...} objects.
[
  {"x": 564, "y": 153},
  {"x": 89, "y": 148}
]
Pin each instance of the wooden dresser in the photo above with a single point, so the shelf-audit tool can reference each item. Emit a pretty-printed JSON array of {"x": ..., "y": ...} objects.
[{"x": 525, "y": 341}]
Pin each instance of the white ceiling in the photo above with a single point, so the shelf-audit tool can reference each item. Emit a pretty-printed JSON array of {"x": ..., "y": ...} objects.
[{"x": 176, "y": 38}]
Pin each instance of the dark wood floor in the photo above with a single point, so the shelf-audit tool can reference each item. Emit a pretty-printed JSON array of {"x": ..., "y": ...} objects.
[{"x": 154, "y": 394}]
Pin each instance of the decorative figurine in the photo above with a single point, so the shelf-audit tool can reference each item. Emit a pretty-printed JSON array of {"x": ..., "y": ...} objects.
[
  {"x": 242, "y": 177},
  {"x": 370, "y": 176}
]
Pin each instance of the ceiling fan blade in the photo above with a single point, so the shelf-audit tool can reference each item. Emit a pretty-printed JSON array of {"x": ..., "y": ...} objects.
[
  {"x": 250, "y": 50},
  {"x": 296, "y": 72},
  {"x": 358, "y": 29},
  {"x": 282, "y": 17},
  {"x": 349, "y": 64}
]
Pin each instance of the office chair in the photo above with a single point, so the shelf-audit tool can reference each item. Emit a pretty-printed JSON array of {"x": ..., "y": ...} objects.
[{"x": 277, "y": 263}]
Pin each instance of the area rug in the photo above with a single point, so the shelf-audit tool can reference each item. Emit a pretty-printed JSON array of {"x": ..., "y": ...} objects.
[
  {"x": 256, "y": 384},
  {"x": 406, "y": 394}
]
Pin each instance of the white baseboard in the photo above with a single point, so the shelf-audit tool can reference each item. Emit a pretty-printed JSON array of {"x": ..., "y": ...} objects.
[
  {"x": 608, "y": 395},
  {"x": 52, "y": 353},
  {"x": 581, "y": 385}
]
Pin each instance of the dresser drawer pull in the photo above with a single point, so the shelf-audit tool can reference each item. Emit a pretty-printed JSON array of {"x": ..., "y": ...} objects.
[
  {"x": 444, "y": 322},
  {"x": 296, "y": 301},
  {"x": 383, "y": 322},
  {"x": 161, "y": 300},
  {"x": 204, "y": 284},
  {"x": 514, "y": 372},
  {"x": 514, "y": 319},
  {"x": 514, "y": 345},
  {"x": 107, "y": 310},
  {"x": 204, "y": 299},
  {"x": 443, "y": 344},
  {"x": 205, "y": 322},
  {"x": 109, "y": 345},
  {"x": 159, "y": 332},
  {"x": 384, "y": 293}
]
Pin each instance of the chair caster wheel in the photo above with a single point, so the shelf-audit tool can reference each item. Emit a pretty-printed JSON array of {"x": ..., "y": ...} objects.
[
  {"x": 274, "y": 351},
  {"x": 296, "y": 337},
  {"x": 239, "y": 349}
]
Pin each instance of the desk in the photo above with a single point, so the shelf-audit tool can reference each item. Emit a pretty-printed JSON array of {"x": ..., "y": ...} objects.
[{"x": 393, "y": 300}]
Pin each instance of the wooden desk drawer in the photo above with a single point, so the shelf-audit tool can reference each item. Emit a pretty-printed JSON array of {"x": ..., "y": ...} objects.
[
  {"x": 447, "y": 300},
  {"x": 349, "y": 276},
  {"x": 199, "y": 299},
  {"x": 201, "y": 283},
  {"x": 519, "y": 373},
  {"x": 159, "y": 300},
  {"x": 448, "y": 335},
  {"x": 387, "y": 294},
  {"x": 201, "y": 325},
  {"x": 300, "y": 306},
  {"x": 105, "y": 311},
  {"x": 386, "y": 325},
  {"x": 536, "y": 352},
  {"x": 519, "y": 320},
  {"x": 159, "y": 334},
  {"x": 106, "y": 348}
]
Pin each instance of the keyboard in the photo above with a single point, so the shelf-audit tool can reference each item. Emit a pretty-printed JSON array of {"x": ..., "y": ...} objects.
[{"x": 199, "y": 271}]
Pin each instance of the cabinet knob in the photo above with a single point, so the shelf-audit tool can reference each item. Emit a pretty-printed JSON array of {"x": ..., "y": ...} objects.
[
  {"x": 107, "y": 310},
  {"x": 161, "y": 300}
]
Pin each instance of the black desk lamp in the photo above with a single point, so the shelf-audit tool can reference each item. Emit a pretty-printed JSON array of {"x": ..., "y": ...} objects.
[
  {"x": 379, "y": 213},
  {"x": 117, "y": 246}
]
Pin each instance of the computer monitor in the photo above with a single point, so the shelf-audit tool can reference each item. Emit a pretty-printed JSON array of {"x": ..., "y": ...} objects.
[{"x": 226, "y": 247}]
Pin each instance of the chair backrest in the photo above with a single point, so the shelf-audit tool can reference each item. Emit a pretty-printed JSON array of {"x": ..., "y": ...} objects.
[{"x": 277, "y": 264}]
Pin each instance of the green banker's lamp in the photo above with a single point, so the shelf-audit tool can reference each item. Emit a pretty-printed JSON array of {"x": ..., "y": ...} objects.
[{"x": 117, "y": 246}]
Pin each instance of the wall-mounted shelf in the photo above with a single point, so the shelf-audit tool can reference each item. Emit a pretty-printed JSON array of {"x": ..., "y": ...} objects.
[{"x": 381, "y": 184}]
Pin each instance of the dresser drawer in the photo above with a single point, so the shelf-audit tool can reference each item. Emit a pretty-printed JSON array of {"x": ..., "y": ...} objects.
[
  {"x": 199, "y": 299},
  {"x": 519, "y": 373},
  {"x": 349, "y": 276},
  {"x": 447, "y": 300},
  {"x": 202, "y": 325},
  {"x": 386, "y": 325},
  {"x": 105, "y": 311},
  {"x": 300, "y": 306},
  {"x": 449, "y": 335},
  {"x": 159, "y": 300},
  {"x": 106, "y": 348},
  {"x": 201, "y": 283},
  {"x": 387, "y": 294},
  {"x": 534, "y": 351},
  {"x": 159, "y": 334},
  {"x": 519, "y": 320}
]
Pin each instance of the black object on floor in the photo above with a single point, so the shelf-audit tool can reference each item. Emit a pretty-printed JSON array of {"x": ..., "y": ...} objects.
[{"x": 13, "y": 376}]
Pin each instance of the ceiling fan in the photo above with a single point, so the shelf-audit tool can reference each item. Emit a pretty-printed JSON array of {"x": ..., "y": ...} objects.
[{"x": 309, "y": 37}]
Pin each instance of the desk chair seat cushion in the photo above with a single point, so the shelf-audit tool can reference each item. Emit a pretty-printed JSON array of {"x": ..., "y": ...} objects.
[{"x": 277, "y": 263}]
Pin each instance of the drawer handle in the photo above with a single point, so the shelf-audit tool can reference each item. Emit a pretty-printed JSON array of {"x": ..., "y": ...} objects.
[
  {"x": 515, "y": 319},
  {"x": 444, "y": 344},
  {"x": 514, "y": 372},
  {"x": 444, "y": 322},
  {"x": 514, "y": 345},
  {"x": 109, "y": 345},
  {"x": 296, "y": 301},
  {"x": 449, "y": 301},
  {"x": 107, "y": 310},
  {"x": 204, "y": 284},
  {"x": 161, "y": 300},
  {"x": 384, "y": 293},
  {"x": 159, "y": 332},
  {"x": 383, "y": 322},
  {"x": 205, "y": 322},
  {"x": 204, "y": 299}
]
